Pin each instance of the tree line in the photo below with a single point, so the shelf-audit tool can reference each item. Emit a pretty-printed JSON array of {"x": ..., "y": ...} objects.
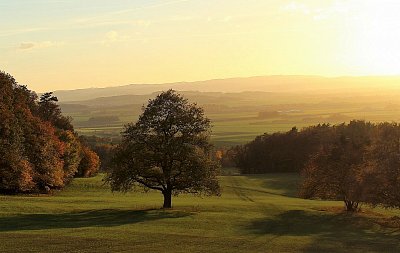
[
  {"x": 357, "y": 163},
  {"x": 39, "y": 149},
  {"x": 278, "y": 152},
  {"x": 104, "y": 147}
]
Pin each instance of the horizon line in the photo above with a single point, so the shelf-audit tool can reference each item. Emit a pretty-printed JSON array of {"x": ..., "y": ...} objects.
[{"x": 237, "y": 77}]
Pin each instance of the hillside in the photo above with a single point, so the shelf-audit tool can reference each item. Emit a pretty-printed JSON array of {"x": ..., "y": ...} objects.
[
  {"x": 296, "y": 84},
  {"x": 239, "y": 117}
]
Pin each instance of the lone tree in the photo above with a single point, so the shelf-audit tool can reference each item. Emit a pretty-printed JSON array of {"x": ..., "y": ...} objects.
[
  {"x": 381, "y": 176},
  {"x": 335, "y": 171},
  {"x": 167, "y": 150}
]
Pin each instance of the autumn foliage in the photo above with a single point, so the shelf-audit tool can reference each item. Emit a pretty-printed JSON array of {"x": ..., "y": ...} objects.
[
  {"x": 356, "y": 163},
  {"x": 39, "y": 149},
  {"x": 90, "y": 163}
]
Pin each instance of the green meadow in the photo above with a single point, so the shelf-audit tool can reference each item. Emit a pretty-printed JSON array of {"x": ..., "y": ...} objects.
[{"x": 258, "y": 213}]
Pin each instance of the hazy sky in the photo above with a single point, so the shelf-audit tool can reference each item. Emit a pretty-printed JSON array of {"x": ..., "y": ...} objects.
[{"x": 68, "y": 44}]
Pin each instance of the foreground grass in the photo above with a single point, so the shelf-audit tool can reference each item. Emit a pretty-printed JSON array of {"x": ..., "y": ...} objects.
[{"x": 254, "y": 214}]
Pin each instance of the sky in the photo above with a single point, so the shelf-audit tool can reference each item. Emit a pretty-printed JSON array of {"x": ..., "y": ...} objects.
[{"x": 69, "y": 44}]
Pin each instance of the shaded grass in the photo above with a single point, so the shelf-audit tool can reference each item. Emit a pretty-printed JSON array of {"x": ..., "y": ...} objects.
[
  {"x": 91, "y": 218},
  {"x": 330, "y": 229}
]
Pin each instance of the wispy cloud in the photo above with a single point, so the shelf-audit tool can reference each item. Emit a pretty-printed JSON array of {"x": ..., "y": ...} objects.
[
  {"x": 114, "y": 36},
  {"x": 95, "y": 19},
  {"x": 139, "y": 23},
  {"x": 318, "y": 13},
  {"x": 150, "y": 6},
  {"x": 38, "y": 45},
  {"x": 26, "y": 45},
  {"x": 22, "y": 31},
  {"x": 106, "y": 19},
  {"x": 296, "y": 7}
]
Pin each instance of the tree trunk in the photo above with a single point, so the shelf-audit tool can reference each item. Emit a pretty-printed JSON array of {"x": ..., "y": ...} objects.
[
  {"x": 351, "y": 206},
  {"x": 167, "y": 199}
]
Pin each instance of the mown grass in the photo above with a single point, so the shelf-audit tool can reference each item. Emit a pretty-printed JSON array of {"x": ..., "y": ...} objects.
[{"x": 254, "y": 214}]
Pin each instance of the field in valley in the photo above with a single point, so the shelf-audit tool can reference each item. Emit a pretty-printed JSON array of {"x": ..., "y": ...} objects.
[
  {"x": 258, "y": 213},
  {"x": 239, "y": 117}
]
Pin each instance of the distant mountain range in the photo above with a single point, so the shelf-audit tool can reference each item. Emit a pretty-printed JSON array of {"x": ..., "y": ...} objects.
[{"x": 274, "y": 84}]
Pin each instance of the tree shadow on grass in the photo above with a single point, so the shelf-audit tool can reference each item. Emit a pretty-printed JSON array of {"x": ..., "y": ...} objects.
[
  {"x": 92, "y": 218},
  {"x": 331, "y": 232},
  {"x": 287, "y": 183}
]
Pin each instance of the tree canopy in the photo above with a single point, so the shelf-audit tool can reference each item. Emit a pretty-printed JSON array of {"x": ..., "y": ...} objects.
[
  {"x": 167, "y": 150},
  {"x": 357, "y": 163},
  {"x": 39, "y": 149},
  {"x": 335, "y": 171},
  {"x": 279, "y": 152}
]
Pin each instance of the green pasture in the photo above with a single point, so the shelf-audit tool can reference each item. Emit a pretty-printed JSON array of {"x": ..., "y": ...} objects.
[
  {"x": 258, "y": 213},
  {"x": 241, "y": 126}
]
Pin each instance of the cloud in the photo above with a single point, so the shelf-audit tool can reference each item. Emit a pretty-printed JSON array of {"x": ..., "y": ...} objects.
[
  {"x": 227, "y": 18},
  {"x": 296, "y": 7},
  {"x": 22, "y": 31},
  {"x": 91, "y": 24},
  {"x": 332, "y": 11},
  {"x": 223, "y": 19},
  {"x": 38, "y": 45},
  {"x": 114, "y": 36},
  {"x": 106, "y": 16},
  {"x": 105, "y": 19},
  {"x": 150, "y": 6},
  {"x": 26, "y": 45},
  {"x": 320, "y": 13}
]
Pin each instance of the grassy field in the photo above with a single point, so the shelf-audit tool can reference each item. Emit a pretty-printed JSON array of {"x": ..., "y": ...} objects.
[
  {"x": 254, "y": 214},
  {"x": 238, "y": 117}
]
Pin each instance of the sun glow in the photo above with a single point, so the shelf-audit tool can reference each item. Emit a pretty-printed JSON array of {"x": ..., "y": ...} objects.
[
  {"x": 377, "y": 37},
  {"x": 187, "y": 40}
]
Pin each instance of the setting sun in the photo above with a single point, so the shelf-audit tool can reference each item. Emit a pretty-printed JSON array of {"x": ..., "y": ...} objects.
[{"x": 376, "y": 41}]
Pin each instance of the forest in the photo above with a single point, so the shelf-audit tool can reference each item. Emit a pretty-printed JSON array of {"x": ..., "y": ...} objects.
[
  {"x": 39, "y": 148},
  {"x": 356, "y": 162}
]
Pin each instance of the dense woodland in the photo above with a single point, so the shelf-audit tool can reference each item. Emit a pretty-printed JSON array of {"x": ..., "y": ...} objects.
[
  {"x": 103, "y": 147},
  {"x": 279, "y": 152},
  {"x": 39, "y": 149},
  {"x": 357, "y": 162}
]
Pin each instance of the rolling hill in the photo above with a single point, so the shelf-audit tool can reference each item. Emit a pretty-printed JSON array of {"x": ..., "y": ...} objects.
[
  {"x": 238, "y": 111},
  {"x": 296, "y": 84}
]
